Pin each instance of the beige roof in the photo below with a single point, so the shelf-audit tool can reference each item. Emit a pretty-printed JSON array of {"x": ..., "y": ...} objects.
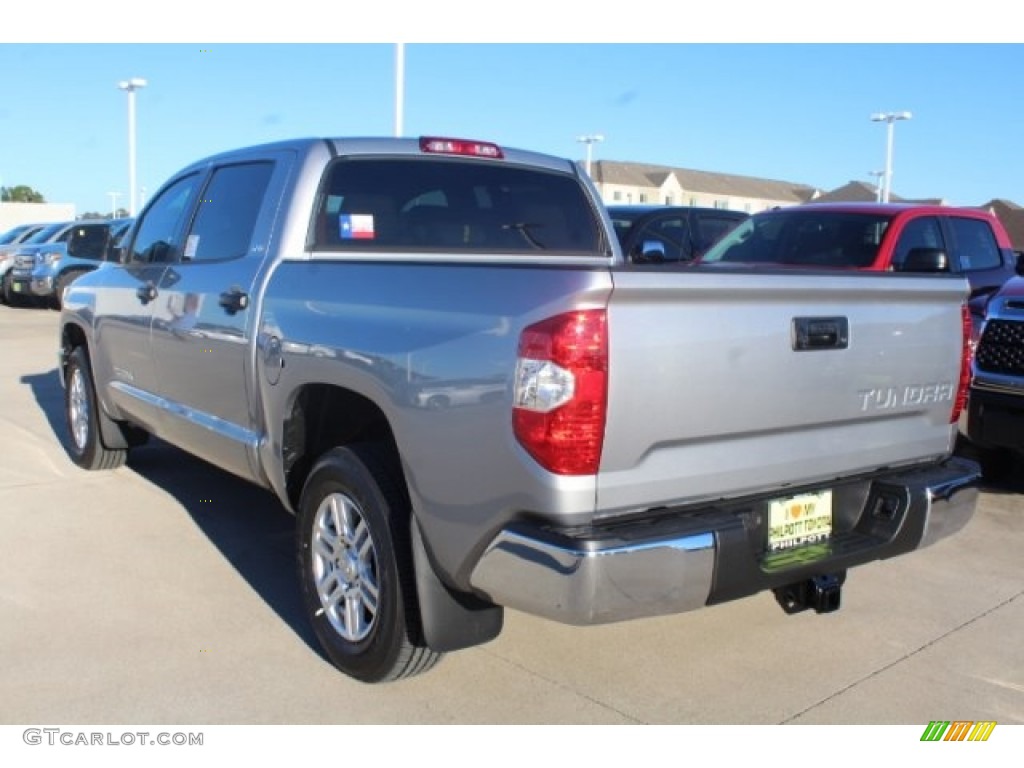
[
  {"x": 644, "y": 175},
  {"x": 853, "y": 192}
]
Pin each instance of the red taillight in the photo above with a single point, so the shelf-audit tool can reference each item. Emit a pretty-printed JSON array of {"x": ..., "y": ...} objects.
[
  {"x": 965, "y": 364},
  {"x": 438, "y": 145},
  {"x": 561, "y": 391}
]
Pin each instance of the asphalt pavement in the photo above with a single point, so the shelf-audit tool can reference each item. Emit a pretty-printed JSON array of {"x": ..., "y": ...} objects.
[{"x": 165, "y": 592}]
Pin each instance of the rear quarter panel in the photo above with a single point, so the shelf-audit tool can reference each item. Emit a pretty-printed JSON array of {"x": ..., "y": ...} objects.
[{"x": 399, "y": 334}]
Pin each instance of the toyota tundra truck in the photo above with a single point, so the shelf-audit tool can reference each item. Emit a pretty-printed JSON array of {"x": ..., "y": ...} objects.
[
  {"x": 435, "y": 354},
  {"x": 995, "y": 416}
]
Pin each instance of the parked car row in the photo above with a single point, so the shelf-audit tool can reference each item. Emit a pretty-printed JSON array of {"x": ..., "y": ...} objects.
[{"x": 38, "y": 261}]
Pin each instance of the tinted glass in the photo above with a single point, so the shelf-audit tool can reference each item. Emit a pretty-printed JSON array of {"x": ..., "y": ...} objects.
[
  {"x": 47, "y": 232},
  {"x": 976, "y": 245},
  {"x": 158, "y": 236},
  {"x": 804, "y": 238},
  {"x": 711, "y": 229},
  {"x": 665, "y": 239},
  {"x": 924, "y": 232},
  {"x": 88, "y": 241},
  {"x": 227, "y": 212},
  {"x": 442, "y": 204},
  {"x": 12, "y": 235}
]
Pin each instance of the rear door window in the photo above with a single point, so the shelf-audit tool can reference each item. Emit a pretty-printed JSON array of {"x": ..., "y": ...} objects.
[
  {"x": 227, "y": 212},
  {"x": 453, "y": 205},
  {"x": 975, "y": 243}
]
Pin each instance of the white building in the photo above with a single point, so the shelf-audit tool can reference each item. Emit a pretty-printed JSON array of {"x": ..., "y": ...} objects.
[
  {"x": 13, "y": 214},
  {"x": 623, "y": 183}
]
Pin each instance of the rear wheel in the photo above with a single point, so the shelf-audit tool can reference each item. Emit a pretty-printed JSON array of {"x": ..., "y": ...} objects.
[
  {"x": 82, "y": 414},
  {"x": 355, "y": 567}
]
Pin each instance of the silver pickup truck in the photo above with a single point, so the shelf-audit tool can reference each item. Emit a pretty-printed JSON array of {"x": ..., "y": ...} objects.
[{"x": 433, "y": 352}]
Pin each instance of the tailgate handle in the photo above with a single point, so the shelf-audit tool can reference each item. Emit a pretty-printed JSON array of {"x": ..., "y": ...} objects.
[{"x": 820, "y": 333}]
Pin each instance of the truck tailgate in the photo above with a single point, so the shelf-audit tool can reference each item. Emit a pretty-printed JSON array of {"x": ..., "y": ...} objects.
[{"x": 708, "y": 395}]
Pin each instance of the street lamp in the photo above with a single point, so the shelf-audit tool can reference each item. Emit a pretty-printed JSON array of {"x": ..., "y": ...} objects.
[
  {"x": 131, "y": 86},
  {"x": 878, "y": 184},
  {"x": 889, "y": 118},
  {"x": 590, "y": 140},
  {"x": 113, "y": 203},
  {"x": 399, "y": 86}
]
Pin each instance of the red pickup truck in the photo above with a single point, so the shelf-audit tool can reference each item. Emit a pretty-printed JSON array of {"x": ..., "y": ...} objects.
[{"x": 877, "y": 237}]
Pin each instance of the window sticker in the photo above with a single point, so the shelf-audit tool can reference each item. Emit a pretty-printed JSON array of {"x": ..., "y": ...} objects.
[
  {"x": 191, "y": 246},
  {"x": 356, "y": 226}
]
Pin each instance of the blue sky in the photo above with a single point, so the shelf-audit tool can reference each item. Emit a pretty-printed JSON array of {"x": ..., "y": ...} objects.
[{"x": 791, "y": 111}]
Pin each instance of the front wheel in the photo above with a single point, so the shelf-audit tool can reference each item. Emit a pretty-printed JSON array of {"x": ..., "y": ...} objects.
[
  {"x": 355, "y": 567},
  {"x": 82, "y": 414},
  {"x": 10, "y": 297},
  {"x": 57, "y": 301}
]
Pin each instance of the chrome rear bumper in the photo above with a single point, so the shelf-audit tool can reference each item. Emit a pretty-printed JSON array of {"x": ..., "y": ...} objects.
[{"x": 671, "y": 563}]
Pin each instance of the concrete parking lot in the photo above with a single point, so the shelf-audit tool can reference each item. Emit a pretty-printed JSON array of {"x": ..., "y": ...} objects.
[{"x": 165, "y": 592}]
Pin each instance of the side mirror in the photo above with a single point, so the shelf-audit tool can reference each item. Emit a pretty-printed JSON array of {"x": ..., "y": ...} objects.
[
  {"x": 925, "y": 260},
  {"x": 652, "y": 251},
  {"x": 88, "y": 242}
]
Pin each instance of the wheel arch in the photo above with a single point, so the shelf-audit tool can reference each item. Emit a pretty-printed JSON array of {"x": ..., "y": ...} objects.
[
  {"x": 320, "y": 417},
  {"x": 324, "y": 416},
  {"x": 113, "y": 435}
]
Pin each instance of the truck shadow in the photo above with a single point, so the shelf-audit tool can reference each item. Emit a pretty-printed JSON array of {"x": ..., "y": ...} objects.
[
  {"x": 247, "y": 524},
  {"x": 1010, "y": 478}
]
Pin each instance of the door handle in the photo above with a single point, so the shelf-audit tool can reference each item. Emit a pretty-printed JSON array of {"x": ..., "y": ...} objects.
[
  {"x": 820, "y": 333},
  {"x": 146, "y": 293},
  {"x": 234, "y": 300}
]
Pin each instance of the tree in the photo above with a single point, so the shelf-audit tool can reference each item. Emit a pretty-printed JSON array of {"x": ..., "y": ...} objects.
[
  {"x": 20, "y": 194},
  {"x": 121, "y": 213}
]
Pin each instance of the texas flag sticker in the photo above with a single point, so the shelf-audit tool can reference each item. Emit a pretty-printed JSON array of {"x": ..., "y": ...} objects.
[{"x": 356, "y": 226}]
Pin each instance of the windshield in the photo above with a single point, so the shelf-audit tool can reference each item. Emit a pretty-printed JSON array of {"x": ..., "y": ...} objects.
[
  {"x": 804, "y": 237},
  {"x": 12, "y": 235},
  {"x": 44, "y": 234}
]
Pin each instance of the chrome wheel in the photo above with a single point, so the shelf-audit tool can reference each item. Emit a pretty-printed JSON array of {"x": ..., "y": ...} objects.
[
  {"x": 78, "y": 408},
  {"x": 344, "y": 562}
]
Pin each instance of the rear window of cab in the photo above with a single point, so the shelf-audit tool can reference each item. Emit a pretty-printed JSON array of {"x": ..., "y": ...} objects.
[{"x": 453, "y": 205}]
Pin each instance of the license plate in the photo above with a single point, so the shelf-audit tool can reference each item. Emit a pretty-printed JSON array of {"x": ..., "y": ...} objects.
[
  {"x": 16, "y": 287},
  {"x": 799, "y": 520}
]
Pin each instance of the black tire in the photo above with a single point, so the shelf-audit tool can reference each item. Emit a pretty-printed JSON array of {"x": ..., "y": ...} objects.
[
  {"x": 82, "y": 416},
  {"x": 10, "y": 297},
  {"x": 63, "y": 282},
  {"x": 356, "y": 569}
]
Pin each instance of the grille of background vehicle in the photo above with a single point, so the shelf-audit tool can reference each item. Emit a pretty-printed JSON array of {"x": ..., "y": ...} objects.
[{"x": 1002, "y": 348}]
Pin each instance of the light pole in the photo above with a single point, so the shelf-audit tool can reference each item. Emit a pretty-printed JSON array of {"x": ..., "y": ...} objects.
[
  {"x": 590, "y": 140},
  {"x": 113, "y": 203},
  {"x": 399, "y": 86},
  {"x": 131, "y": 86},
  {"x": 889, "y": 118},
  {"x": 878, "y": 184}
]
